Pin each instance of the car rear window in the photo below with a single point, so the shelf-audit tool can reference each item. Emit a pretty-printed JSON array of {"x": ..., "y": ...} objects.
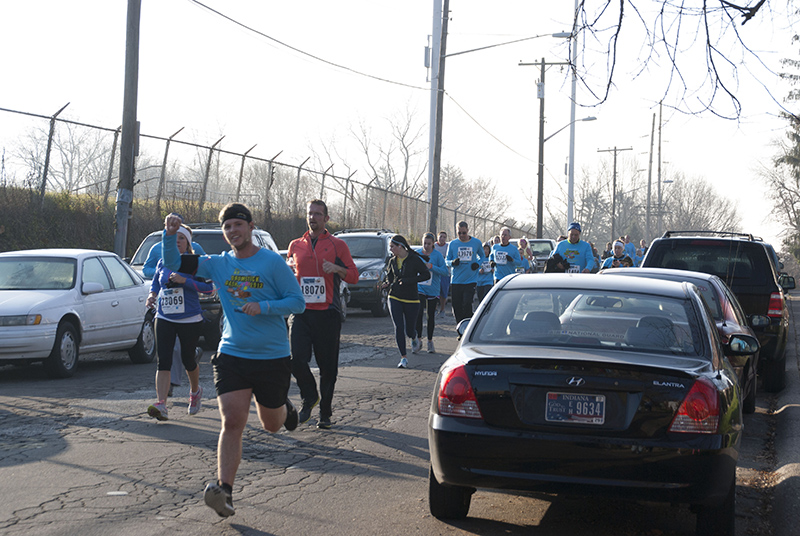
[
  {"x": 366, "y": 247},
  {"x": 621, "y": 321},
  {"x": 736, "y": 262}
]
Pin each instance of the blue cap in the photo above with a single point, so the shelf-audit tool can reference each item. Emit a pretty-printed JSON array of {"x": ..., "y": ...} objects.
[{"x": 574, "y": 225}]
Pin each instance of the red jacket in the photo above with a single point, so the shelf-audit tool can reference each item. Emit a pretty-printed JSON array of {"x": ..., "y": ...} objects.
[{"x": 308, "y": 268}]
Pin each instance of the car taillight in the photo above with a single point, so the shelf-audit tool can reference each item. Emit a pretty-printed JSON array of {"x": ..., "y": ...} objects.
[
  {"x": 456, "y": 397},
  {"x": 699, "y": 412},
  {"x": 775, "y": 305}
]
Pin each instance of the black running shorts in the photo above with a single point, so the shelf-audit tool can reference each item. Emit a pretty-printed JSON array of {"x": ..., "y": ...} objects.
[{"x": 268, "y": 378}]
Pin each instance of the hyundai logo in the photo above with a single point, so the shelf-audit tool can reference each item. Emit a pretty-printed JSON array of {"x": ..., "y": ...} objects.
[{"x": 575, "y": 381}]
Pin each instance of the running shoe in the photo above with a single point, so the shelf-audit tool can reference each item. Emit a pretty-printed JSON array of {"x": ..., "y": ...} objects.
[
  {"x": 218, "y": 500},
  {"x": 324, "y": 423},
  {"x": 291, "y": 416},
  {"x": 416, "y": 346},
  {"x": 403, "y": 363},
  {"x": 194, "y": 401},
  {"x": 305, "y": 413},
  {"x": 158, "y": 410},
  {"x": 198, "y": 354},
  {"x": 431, "y": 349}
]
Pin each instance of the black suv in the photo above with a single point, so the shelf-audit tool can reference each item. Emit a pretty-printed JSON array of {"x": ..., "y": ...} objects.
[
  {"x": 749, "y": 266},
  {"x": 370, "y": 251},
  {"x": 209, "y": 236}
]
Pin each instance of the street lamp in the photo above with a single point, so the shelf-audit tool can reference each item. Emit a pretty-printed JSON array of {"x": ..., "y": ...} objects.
[{"x": 540, "y": 194}]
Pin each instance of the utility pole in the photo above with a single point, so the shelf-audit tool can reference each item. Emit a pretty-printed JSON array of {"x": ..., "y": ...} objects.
[
  {"x": 130, "y": 132},
  {"x": 650, "y": 179},
  {"x": 614, "y": 187},
  {"x": 434, "y": 165},
  {"x": 660, "y": 208}
]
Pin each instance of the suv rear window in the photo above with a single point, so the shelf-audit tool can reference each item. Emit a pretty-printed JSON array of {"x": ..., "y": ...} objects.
[
  {"x": 739, "y": 263},
  {"x": 366, "y": 247}
]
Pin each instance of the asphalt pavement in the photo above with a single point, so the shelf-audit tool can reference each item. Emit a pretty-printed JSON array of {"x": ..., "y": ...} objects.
[{"x": 786, "y": 498}]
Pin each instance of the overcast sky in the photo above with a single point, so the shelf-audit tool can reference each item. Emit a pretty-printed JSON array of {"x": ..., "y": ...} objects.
[{"x": 201, "y": 71}]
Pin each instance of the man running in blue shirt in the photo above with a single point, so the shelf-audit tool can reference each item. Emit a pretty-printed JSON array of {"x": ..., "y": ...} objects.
[
  {"x": 464, "y": 256},
  {"x": 505, "y": 256},
  {"x": 577, "y": 252},
  {"x": 257, "y": 289}
]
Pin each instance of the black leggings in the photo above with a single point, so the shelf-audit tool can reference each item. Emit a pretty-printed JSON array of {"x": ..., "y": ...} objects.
[
  {"x": 432, "y": 305},
  {"x": 189, "y": 334},
  {"x": 403, "y": 316}
]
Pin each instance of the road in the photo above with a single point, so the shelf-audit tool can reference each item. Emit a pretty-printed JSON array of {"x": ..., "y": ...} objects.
[{"x": 81, "y": 456}]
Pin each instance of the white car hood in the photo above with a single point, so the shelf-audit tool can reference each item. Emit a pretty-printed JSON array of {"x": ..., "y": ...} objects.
[{"x": 21, "y": 302}]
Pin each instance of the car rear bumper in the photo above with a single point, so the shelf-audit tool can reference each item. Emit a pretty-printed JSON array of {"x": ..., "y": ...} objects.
[{"x": 581, "y": 465}]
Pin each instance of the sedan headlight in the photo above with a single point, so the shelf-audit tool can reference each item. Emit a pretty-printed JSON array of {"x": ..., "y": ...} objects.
[
  {"x": 21, "y": 320},
  {"x": 370, "y": 274}
]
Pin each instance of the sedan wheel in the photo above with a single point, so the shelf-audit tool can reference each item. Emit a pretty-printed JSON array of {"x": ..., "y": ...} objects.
[
  {"x": 63, "y": 359},
  {"x": 774, "y": 374},
  {"x": 448, "y": 502},
  {"x": 145, "y": 349},
  {"x": 382, "y": 307}
]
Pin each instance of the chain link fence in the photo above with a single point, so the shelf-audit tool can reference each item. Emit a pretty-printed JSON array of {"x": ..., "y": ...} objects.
[{"x": 51, "y": 154}]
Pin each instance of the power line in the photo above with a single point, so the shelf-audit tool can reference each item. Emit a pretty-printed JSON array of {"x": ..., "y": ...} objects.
[{"x": 307, "y": 54}]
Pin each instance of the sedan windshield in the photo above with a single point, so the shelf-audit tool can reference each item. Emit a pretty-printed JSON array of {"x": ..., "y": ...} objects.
[
  {"x": 599, "y": 319},
  {"x": 37, "y": 273}
]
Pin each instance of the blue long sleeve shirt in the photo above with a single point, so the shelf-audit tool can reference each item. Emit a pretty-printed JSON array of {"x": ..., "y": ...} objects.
[
  {"x": 264, "y": 278},
  {"x": 506, "y": 259},
  {"x": 467, "y": 253},
  {"x": 579, "y": 255},
  {"x": 154, "y": 255},
  {"x": 438, "y": 270},
  {"x": 190, "y": 290}
]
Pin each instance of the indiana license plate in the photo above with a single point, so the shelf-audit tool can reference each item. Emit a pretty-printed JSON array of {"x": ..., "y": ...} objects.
[{"x": 575, "y": 408}]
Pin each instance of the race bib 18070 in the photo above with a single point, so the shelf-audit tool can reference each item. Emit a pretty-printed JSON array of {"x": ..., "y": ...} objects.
[
  {"x": 313, "y": 289},
  {"x": 172, "y": 301}
]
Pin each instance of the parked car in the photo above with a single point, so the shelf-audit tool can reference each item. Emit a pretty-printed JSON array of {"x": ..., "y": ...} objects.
[
  {"x": 56, "y": 303},
  {"x": 370, "y": 251},
  {"x": 344, "y": 291},
  {"x": 748, "y": 266},
  {"x": 210, "y": 237},
  {"x": 589, "y": 386},
  {"x": 541, "y": 248},
  {"x": 727, "y": 314}
]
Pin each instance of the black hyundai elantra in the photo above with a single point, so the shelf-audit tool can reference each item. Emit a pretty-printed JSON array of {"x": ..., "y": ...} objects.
[{"x": 587, "y": 385}]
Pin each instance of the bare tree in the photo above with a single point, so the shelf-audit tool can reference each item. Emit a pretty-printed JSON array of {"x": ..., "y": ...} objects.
[
  {"x": 699, "y": 42},
  {"x": 692, "y": 204}
]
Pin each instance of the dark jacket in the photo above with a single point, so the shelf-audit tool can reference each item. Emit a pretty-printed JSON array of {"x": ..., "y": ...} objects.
[{"x": 403, "y": 281}]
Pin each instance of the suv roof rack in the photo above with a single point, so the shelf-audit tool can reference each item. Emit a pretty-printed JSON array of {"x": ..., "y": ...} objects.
[
  {"x": 364, "y": 230},
  {"x": 717, "y": 233},
  {"x": 214, "y": 226}
]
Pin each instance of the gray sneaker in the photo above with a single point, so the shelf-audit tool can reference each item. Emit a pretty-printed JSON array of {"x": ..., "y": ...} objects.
[
  {"x": 158, "y": 410},
  {"x": 403, "y": 363},
  {"x": 416, "y": 346},
  {"x": 218, "y": 500},
  {"x": 431, "y": 349},
  {"x": 198, "y": 354},
  {"x": 194, "y": 401}
]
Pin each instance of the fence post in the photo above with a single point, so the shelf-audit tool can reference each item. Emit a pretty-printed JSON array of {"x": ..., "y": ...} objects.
[
  {"x": 270, "y": 180},
  {"x": 111, "y": 166},
  {"x": 297, "y": 187},
  {"x": 163, "y": 176},
  {"x": 322, "y": 188},
  {"x": 208, "y": 173},
  {"x": 385, "y": 206},
  {"x": 241, "y": 173},
  {"x": 47, "y": 153}
]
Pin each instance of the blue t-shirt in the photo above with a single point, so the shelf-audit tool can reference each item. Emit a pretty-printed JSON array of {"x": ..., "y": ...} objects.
[
  {"x": 506, "y": 259},
  {"x": 264, "y": 278},
  {"x": 579, "y": 255},
  {"x": 467, "y": 253},
  {"x": 630, "y": 251},
  {"x": 431, "y": 287}
]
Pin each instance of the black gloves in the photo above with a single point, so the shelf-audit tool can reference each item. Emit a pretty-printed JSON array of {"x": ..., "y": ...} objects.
[
  {"x": 474, "y": 265},
  {"x": 494, "y": 264},
  {"x": 456, "y": 261}
]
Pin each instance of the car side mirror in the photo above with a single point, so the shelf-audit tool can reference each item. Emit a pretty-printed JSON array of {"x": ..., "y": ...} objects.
[
  {"x": 90, "y": 287},
  {"x": 742, "y": 344},
  {"x": 786, "y": 282},
  {"x": 462, "y": 327}
]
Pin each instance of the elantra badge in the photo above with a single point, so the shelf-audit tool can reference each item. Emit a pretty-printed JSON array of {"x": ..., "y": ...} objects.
[{"x": 575, "y": 381}]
